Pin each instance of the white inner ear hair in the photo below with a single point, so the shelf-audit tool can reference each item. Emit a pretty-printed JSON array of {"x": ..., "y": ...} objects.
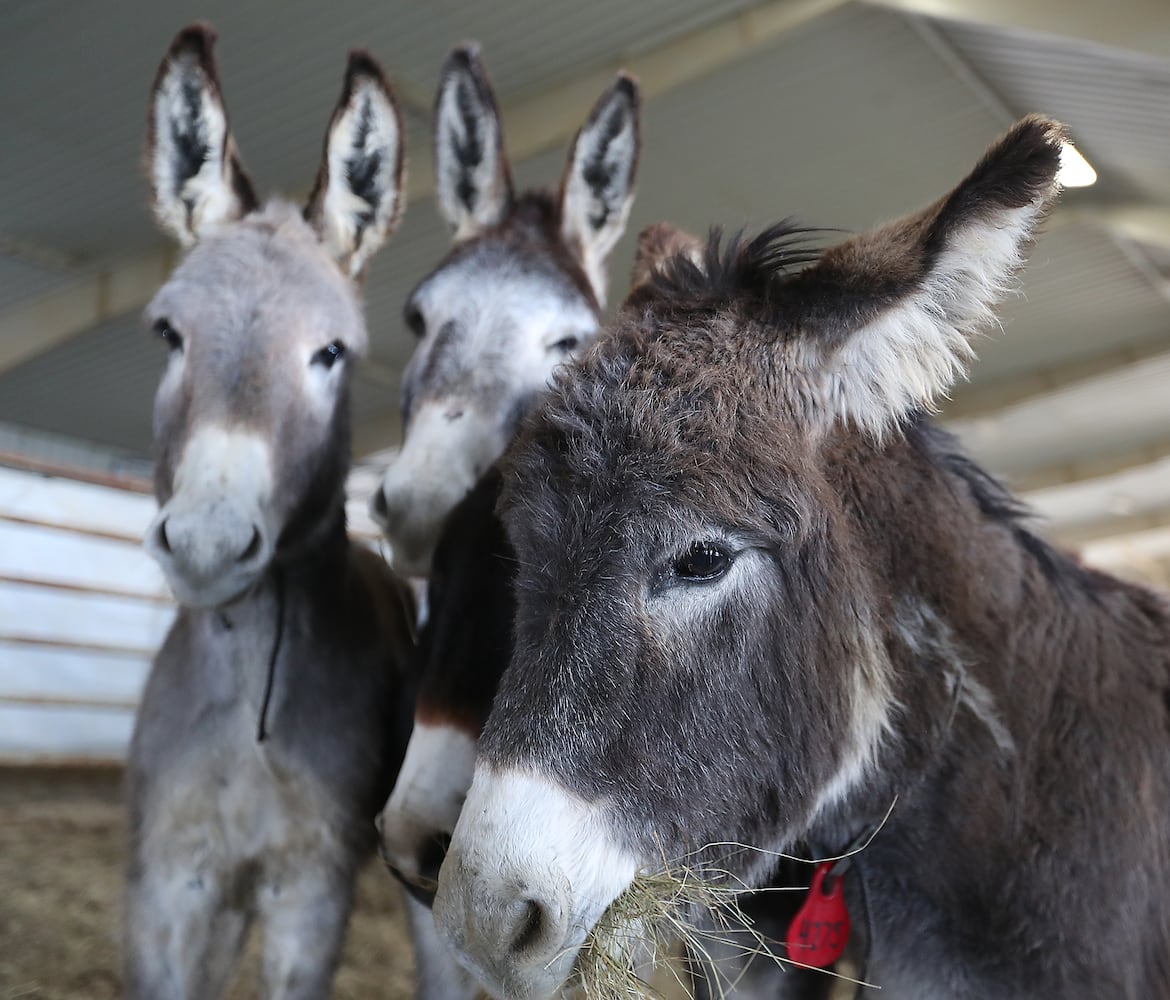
[
  {"x": 916, "y": 350},
  {"x": 595, "y": 215},
  {"x": 464, "y": 122},
  {"x": 354, "y": 225},
  {"x": 189, "y": 205}
]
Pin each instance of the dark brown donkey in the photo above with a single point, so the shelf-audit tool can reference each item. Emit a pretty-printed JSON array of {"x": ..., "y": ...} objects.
[
  {"x": 762, "y": 598},
  {"x": 274, "y": 719}
]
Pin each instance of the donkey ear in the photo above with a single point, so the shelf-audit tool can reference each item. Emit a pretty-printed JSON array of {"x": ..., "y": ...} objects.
[
  {"x": 357, "y": 199},
  {"x": 659, "y": 243},
  {"x": 598, "y": 187},
  {"x": 472, "y": 179},
  {"x": 883, "y": 322},
  {"x": 197, "y": 182}
]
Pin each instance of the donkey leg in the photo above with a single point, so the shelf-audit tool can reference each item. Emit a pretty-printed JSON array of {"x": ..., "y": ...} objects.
[
  {"x": 437, "y": 976},
  {"x": 181, "y": 940},
  {"x": 305, "y": 915}
]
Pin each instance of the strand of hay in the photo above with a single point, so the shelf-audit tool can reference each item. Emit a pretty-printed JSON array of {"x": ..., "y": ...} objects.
[{"x": 691, "y": 903}]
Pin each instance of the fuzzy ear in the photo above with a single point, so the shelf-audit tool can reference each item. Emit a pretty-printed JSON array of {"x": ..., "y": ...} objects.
[
  {"x": 357, "y": 199},
  {"x": 197, "y": 182},
  {"x": 882, "y": 323},
  {"x": 598, "y": 187},
  {"x": 472, "y": 178},
  {"x": 659, "y": 243}
]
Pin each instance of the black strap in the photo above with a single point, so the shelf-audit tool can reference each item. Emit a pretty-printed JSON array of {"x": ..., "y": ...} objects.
[{"x": 278, "y": 580}]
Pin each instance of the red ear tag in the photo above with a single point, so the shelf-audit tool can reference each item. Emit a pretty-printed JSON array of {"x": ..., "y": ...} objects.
[{"x": 818, "y": 932}]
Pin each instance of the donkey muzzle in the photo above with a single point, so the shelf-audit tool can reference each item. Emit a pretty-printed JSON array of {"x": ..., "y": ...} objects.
[{"x": 211, "y": 554}]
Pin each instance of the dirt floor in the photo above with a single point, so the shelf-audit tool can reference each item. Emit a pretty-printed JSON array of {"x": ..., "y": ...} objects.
[{"x": 61, "y": 863}]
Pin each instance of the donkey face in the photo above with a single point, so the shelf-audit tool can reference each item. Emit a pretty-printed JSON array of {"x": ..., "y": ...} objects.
[
  {"x": 702, "y": 645},
  {"x": 520, "y": 293},
  {"x": 262, "y": 323}
]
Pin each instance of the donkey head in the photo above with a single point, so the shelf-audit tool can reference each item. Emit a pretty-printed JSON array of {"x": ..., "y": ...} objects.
[
  {"x": 262, "y": 323},
  {"x": 521, "y": 291},
  {"x": 702, "y": 652}
]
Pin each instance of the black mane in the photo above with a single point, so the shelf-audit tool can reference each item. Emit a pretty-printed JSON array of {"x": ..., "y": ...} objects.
[{"x": 738, "y": 269}]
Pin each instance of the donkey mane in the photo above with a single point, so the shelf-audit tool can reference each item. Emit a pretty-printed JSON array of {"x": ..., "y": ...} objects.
[{"x": 744, "y": 270}]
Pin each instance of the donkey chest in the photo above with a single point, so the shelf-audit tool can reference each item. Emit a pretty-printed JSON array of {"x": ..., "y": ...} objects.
[
  {"x": 243, "y": 814},
  {"x": 226, "y": 793}
]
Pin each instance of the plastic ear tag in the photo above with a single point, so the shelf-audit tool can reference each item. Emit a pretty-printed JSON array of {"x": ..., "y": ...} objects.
[{"x": 818, "y": 932}]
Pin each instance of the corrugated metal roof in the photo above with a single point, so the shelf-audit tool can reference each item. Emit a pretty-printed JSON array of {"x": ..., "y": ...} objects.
[{"x": 1117, "y": 103}]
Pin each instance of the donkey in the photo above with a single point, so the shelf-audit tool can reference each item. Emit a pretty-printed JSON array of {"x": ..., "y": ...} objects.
[
  {"x": 521, "y": 292},
  {"x": 761, "y": 598},
  {"x": 275, "y": 716}
]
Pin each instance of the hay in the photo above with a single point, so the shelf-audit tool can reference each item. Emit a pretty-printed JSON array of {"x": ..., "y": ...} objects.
[
  {"x": 683, "y": 903},
  {"x": 695, "y": 904}
]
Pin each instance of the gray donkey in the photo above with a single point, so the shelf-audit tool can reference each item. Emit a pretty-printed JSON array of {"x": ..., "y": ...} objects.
[
  {"x": 518, "y": 296},
  {"x": 274, "y": 719},
  {"x": 760, "y": 598},
  {"x": 520, "y": 293}
]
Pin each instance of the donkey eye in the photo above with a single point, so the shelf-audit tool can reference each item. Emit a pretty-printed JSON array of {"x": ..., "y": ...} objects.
[
  {"x": 330, "y": 354},
  {"x": 168, "y": 334},
  {"x": 566, "y": 344},
  {"x": 703, "y": 561}
]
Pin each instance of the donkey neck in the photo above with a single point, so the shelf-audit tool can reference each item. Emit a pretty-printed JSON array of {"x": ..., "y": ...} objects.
[
  {"x": 990, "y": 632},
  {"x": 1016, "y": 670},
  {"x": 265, "y": 629}
]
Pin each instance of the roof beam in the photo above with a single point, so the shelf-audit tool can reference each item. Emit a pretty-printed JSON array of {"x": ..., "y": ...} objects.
[
  {"x": 533, "y": 126},
  {"x": 1137, "y": 25},
  {"x": 1112, "y": 527},
  {"x": 1148, "y": 551},
  {"x": 985, "y": 399},
  {"x": 36, "y": 326},
  {"x": 1091, "y": 467},
  {"x": 1140, "y": 221}
]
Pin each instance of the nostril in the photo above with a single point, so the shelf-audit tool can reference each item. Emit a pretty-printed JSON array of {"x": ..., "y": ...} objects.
[
  {"x": 531, "y": 927},
  {"x": 253, "y": 548},
  {"x": 431, "y": 858},
  {"x": 378, "y": 504},
  {"x": 164, "y": 543}
]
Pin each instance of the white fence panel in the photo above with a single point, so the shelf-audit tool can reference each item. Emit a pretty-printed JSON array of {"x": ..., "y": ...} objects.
[
  {"x": 33, "y": 674},
  {"x": 30, "y": 733},
  {"x": 52, "y": 555},
  {"x": 73, "y": 619},
  {"x": 82, "y": 611}
]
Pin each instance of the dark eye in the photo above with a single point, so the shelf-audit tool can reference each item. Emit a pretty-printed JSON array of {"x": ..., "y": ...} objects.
[
  {"x": 168, "y": 334},
  {"x": 566, "y": 344},
  {"x": 703, "y": 561},
  {"x": 330, "y": 354},
  {"x": 416, "y": 323}
]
